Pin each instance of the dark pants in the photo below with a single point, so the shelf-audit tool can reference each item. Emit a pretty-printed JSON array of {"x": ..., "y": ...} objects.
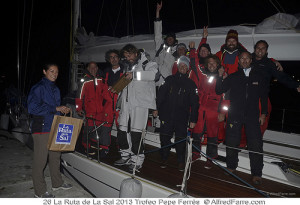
[
  {"x": 166, "y": 133},
  {"x": 254, "y": 143},
  {"x": 104, "y": 137}
]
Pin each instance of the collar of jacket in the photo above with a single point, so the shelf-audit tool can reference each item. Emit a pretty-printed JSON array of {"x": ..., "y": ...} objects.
[
  {"x": 180, "y": 75},
  {"x": 261, "y": 60},
  {"x": 48, "y": 82}
]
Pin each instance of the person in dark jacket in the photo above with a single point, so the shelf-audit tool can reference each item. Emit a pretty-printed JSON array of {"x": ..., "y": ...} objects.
[
  {"x": 177, "y": 104},
  {"x": 43, "y": 103},
  {"x": 247, "y": 86}
]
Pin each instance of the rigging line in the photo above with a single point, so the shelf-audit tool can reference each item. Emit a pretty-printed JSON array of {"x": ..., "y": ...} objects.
[
  {"x": 114, "y": 31},
  {"x": 193, "y": 16},
  {"x": 274, "y": 6},
  {"x": 207, "y": 12},
  {"x": 127, "y": 17},
  {"x": 21, "y": 51},
  {"x": 132, "y": 18},
  {"x": 280, "y": 6},
  {"x": 28, "y": 44},
  {"x": 148, "y": 16},
  {"x": 100, "y": 17}
]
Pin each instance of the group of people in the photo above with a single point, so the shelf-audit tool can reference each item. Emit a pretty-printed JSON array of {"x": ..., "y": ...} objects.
[{"x": 221, "y": 96}]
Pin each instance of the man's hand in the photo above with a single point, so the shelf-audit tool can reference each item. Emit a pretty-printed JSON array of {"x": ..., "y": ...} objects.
[
  {"x": 278, "y": 65},
  {"x": 262, "y": 119},
  {"x": 192, "y": 44},
  {"x": 221, "y": 117},
  {"x": 155, "y": 113},
  {"x": 129, "y": 75},
  {"x": 158, "y": 8},
  {"x": 192, "y": 125},
  {"x": 205, "y": 32}
]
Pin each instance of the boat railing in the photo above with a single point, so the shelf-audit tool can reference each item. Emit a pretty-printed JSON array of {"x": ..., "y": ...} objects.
[{"x": 285, "y": 120}]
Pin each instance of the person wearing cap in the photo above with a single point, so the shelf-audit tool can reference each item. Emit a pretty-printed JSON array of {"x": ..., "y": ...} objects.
[
  {"x": 177, "y": 103},
  {"x": 181, "y": 50},
  {"x": 165, "y": 48},
  {"x": 230, "y": 51}
]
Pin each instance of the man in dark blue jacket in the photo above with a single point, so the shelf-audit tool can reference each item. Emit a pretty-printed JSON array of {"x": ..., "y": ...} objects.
[
  {"x": 247, "y": 86},
  {"x": 177, "y": 103}
]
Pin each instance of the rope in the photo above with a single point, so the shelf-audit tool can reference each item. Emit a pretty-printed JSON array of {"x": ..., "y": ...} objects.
[
  {"x": 100, "y": 17},
  {"x": 114, "y": 31},
  {"x": 235, "y": 176},
  {"x": 27, "y": 51},
  {"x": 148, "y": 16},
  {"x": 193, "y": 16},
  {"x": 207, "y": 12},
  {"x": 187, "y": 170},
  {"x": 274, "y": 6},
  {"x": 132, "y": 18},
  {"x": 138, "y": 155},
  {"x": 280, "y": 6}
]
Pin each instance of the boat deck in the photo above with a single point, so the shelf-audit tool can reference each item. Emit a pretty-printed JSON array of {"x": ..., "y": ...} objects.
[{"x": 202, "y": 182}]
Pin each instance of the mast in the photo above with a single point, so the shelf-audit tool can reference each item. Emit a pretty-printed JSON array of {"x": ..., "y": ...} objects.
[{"x": 75, "y": 22}]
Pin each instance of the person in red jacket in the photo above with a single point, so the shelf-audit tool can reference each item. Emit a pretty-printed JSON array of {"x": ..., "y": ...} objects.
[
  {"x": 210, "y": 112},
  {"x": 230, "y": 51},
  {"x": 89, "y": 102},
  {"x": 181, "y": 50}
]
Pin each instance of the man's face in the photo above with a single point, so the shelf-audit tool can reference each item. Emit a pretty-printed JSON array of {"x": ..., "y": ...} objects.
[
  {"x": 260, "y": 51},
  {"x": 93, "y": 68},
  {"x": 231, "y": 44},
  {"x": 170, "y": 41},
  {"x": 114, "y": 60},
  {"x": 245, "y": 60},
  {"x": 130, "y": 57},
  {"x": 182, "y": 68},
  {"x": 181, "y": 51},
  {"x": 212, "y": 65},
  {"x": 204, "y": 52}
]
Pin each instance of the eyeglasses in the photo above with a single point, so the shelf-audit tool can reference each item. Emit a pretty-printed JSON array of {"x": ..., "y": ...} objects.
[{"x": 112, "y": 57}]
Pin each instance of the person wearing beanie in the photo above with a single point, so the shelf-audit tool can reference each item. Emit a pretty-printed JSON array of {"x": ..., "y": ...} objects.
[
  {"x": 229, "y": 52},
  {"x": 177, "y": 103},
  {"x": 181, "y": 50},
  {"x": 165, "y": 48}
]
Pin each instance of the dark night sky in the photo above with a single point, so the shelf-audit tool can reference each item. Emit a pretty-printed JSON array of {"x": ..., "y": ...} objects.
[{"x": 50, "y": 27}]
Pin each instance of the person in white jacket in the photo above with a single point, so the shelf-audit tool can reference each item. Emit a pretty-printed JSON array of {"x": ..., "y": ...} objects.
[
  {"x": 165, "y": 48},
  {"x": 136, "y": 100}
]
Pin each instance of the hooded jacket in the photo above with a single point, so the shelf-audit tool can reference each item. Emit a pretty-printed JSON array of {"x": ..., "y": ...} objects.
[{"x": 165, "y": 55}]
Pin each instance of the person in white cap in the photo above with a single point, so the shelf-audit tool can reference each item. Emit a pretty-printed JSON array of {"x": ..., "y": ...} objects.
[{"x": 177, "y": 104}]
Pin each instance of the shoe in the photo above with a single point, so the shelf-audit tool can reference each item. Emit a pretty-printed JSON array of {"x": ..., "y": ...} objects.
[
  {"x": 257, "y": 180},
  {"x": 122, "y": 162},
  {"x": 208, "y": 164},
  {"x": 64, "y": 186},
  {"x": 196, "y": 156},
  {"x": 163, "y": 164},
  {"x": 103, "y": 153},
  {"x": 231, "y": 170},
  {"x": 131, "y": 167},
  {"x": 45, "y": 195},
  {"x": 181, "y": 167},
  {"x": 90, "y": 152}
]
